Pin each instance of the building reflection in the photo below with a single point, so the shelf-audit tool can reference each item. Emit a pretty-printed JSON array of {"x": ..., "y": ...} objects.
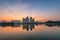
[
  {"x": 24, "y": 26},
  {"x": 12, "y": 25},
  {"x": 32, "y": 26},
  {"x": 52, "y": 25},
  {"x": 27, "y": 26}
]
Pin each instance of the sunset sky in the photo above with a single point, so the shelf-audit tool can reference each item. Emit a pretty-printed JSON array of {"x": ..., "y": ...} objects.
[{"x": 41, "y": 10}]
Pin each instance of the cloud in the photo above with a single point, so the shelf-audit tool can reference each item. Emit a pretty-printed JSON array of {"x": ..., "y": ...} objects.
[{"x": 16, "y": 11}]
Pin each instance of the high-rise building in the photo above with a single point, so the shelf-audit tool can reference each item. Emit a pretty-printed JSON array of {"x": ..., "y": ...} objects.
[
  {"x": 31, "y": 20},
  {"x": 23, "y": 20},
  {"x": 27, "y": 20}
]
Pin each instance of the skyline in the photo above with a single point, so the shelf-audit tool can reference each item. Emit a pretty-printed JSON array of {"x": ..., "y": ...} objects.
[{"x": 40, "y": 10}]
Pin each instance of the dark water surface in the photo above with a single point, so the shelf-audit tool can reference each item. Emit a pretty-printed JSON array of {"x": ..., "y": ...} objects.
[{"x": 29, "y": 32}]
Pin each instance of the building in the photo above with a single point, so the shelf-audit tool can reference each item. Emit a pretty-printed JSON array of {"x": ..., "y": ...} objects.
[
  {"x": 28, "y": 20},
  {"x": 3, "y": 21},
  {"x": 31, "y": 20},
  {"x": 16, "y": 21},
  {"x": 25, "y": 20}
]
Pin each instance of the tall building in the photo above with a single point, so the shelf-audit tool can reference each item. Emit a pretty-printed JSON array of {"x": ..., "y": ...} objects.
[
  {"x": 27, "y": 20},
  {"x": 31, "y": 20},
  {"x": 23, "y": 20}
]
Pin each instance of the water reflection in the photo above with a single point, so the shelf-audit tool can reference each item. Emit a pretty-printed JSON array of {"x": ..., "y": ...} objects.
[
  {"x": 28, "y": 26},
  {"x": 21, "y": 31},
  {"x": 51, "y": 25}
]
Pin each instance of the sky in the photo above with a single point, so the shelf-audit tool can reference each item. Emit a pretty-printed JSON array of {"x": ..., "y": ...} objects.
[{"x": 40, "y": 10}]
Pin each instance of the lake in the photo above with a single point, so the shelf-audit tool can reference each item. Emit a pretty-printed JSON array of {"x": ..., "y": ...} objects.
[{"x": 29, "y": 32}]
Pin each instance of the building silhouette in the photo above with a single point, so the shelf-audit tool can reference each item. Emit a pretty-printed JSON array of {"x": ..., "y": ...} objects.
[
  {"x": 15, "y": 21},
  {"x": 25, "y": 20},
  {"x": 3, "y": 21},
  {"x": 31, "y": 20},
  {"x": 28, "y": 20}
]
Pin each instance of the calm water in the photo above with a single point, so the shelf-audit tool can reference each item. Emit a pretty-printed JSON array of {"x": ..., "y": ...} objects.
[{"x": 31, "y": 31}]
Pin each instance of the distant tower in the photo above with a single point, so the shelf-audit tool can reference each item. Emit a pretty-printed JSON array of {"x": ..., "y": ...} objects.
[
  {"x": 23, "y": 20},
  {"x": 31, "y": 20},
  {"x": 27, "y": 20}
]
